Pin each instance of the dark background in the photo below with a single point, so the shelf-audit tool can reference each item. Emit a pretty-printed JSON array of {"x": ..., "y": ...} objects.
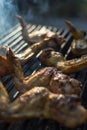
[
  {"x": 61, "y": 8},
  {"x": 45, "y": 12},
  {"x": 54, "y": 12}
]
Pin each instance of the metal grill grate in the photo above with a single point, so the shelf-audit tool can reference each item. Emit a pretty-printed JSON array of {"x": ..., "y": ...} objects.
[{"x": 14, "y": 40}]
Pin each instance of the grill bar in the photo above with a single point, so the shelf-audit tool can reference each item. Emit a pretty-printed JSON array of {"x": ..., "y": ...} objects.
[{"x": 13, "y": 38}]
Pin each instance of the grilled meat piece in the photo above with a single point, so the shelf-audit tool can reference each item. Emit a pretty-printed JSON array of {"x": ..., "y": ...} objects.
[
  {"x": 79, "y": 43},
  {"x": 39, "y": 102},
  {"x": 49, "y": 77},
  {"x": 6, "y": 68},
  {"x": 32, "y": 50},
  {"x": 40, "y": 35},
  {"x": 49, "y": 57},
  {"x": 79, "y": 47},
  {"x": 77, "y": 33}
]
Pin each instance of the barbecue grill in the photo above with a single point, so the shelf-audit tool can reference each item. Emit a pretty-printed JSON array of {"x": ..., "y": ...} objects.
[{"x": 13, "y": 38}]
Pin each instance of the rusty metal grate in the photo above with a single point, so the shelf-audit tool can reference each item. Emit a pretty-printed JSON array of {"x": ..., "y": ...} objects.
[{"x": 14, "y": 39}]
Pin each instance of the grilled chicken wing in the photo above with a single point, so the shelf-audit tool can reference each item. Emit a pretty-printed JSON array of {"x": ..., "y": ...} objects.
[
  {"x": 79, "y": 47},
  {"x": 38, "y": 36},
  {"x": 49, "y": 77},
  {"x": 49, "y": 57},
  {"x": 39, "y": 102},
  {"x": 79, "y": 43},
  {"x": 32, "y": 50},
  {"x": 77, "y": 33},
  {"x": 6, "y": 68}
]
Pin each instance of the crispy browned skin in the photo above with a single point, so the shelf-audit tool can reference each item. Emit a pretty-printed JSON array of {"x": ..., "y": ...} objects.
[
  {"x": 49, "y": 57},
  {"x": 6, "y": 68},
  {"x": 79, "y": 47},
  {"x": 39, "y": 102},
  {"x": 49, "y": 77},
  {"x": 79, "y": 43},
  {"x": 77, "y": 33},
  {"x": 32, "y": 50},
  {"x": 40, "y": 35}
]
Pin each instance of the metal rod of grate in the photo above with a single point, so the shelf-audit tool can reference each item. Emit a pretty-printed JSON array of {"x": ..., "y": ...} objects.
[{"x": 13, "y": 38}]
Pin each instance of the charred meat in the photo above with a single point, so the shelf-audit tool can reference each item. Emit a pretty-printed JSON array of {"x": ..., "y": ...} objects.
[
  {"x": 49, "y": 77},
  {"x": 39, "y": 102},
  {"x": 5, "y": 66},
  {"x": 79, "y": 43},
  {"x": 50, "y": 57}
]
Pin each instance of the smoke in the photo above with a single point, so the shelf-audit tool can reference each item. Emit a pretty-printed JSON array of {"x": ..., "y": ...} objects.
[
  {"x": 7, "y": 15},
  {"x": 36, "y": 10},
  {"x": 9, "y": 9}
]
